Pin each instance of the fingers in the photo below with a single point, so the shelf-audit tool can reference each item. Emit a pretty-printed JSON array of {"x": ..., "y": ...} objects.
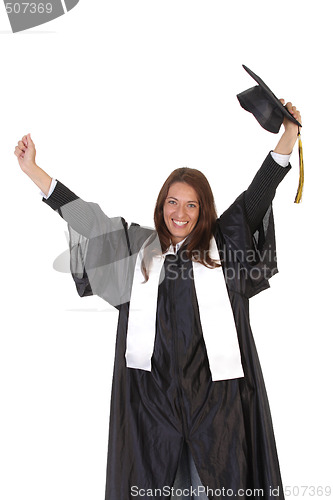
[
  {"x": 29, "y": 140},
  {"x": 18, "y": 152},
  {"x": 290, "y": 107},
  {"x": 293, "y": 110},
  {"x": 20, "y": 149},
  {"x": 23, "y": 145}
]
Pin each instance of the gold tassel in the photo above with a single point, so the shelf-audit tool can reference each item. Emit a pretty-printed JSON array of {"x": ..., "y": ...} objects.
[{"x": 299, "y": 193}]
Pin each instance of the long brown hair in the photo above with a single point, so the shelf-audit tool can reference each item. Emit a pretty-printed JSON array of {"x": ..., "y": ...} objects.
[{"x": 198, "y": 241}]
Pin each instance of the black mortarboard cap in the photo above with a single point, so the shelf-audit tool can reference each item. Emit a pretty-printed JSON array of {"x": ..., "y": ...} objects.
[{"x": 264, "y": 105}]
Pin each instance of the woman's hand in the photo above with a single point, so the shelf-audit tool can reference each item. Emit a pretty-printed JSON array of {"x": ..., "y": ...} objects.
[
  {"x": 289, "y": 126},
  {"x": 26, "y": 153},
  {"x": 289, "y": 137}
]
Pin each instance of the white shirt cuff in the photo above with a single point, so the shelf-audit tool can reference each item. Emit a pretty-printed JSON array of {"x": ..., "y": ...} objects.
[
  {"x": 282, "y": 160},
  {"x": 53, "y": 185}
]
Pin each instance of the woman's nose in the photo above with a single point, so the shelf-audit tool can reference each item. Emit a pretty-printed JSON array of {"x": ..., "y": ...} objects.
[{"x": 181, "y": 211}]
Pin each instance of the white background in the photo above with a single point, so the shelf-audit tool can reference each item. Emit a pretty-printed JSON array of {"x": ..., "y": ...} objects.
[{"x": 116, "y": 95}]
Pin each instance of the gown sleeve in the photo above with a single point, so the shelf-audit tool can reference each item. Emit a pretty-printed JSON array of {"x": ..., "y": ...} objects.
[
  {"x": 246, "y": 231},
  {"x": 102, "y": 249}
]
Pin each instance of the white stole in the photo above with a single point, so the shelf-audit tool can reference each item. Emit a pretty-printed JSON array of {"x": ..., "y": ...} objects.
[{"x": 216, "y": 316}]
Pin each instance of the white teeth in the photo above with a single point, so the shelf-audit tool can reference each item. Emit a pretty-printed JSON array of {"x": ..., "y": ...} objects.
[{"x": 179, "y": 223}]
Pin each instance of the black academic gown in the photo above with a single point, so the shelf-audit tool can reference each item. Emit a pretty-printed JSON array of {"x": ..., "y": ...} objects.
[{"x": 156, "y": 417}]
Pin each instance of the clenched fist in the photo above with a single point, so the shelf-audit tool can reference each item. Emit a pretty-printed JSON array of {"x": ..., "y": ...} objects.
[{"x": 26, "y": 153}]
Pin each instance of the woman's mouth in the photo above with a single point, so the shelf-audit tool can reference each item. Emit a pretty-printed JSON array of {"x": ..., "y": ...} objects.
[{"x": 179, "y": 223}]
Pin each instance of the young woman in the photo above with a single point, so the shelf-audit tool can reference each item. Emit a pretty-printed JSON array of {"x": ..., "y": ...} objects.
[{"x": 188, "y": 393}]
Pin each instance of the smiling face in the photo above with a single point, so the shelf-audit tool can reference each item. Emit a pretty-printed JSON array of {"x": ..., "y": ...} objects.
[{"x": 181, "y": 211}]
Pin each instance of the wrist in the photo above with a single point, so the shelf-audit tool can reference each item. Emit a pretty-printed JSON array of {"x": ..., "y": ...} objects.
[
  {"x": 30, "y": 168},
  {"x": 291, "y": 133},
  {"x": 286, "y": 143}
]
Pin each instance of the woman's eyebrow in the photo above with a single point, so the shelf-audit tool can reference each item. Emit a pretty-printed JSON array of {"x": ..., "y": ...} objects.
[{"x": 189, "y": 201}]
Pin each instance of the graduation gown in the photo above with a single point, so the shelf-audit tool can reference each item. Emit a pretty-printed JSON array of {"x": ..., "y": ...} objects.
[{"x": 157, "y": 418}]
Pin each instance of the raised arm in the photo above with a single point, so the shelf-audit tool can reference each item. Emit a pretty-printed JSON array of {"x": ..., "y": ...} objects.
[
  {"x": 84, "y": 217},
  {"x": 102, "y": 249},
  {"x": 262, "y": 189}
]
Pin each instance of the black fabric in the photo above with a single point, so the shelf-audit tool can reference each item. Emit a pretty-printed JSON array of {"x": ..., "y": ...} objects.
[
  {"x": 264, "y": 105},
  {"x": 159, "y": 418},
  {"x": 226, "y": 424},
  {"x": 261, "y": 191},
  {"x": 255, "y": 101},
  {"x": 60, "y": 196}
]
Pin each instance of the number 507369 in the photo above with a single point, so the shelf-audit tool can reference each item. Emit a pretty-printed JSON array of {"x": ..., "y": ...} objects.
[{"x": 27, "y": 7}]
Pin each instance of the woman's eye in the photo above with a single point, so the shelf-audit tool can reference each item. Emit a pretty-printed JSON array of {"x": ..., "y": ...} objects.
[
  {"x": 171, "y": 202},
  {"x": 191, "y": 205}
]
